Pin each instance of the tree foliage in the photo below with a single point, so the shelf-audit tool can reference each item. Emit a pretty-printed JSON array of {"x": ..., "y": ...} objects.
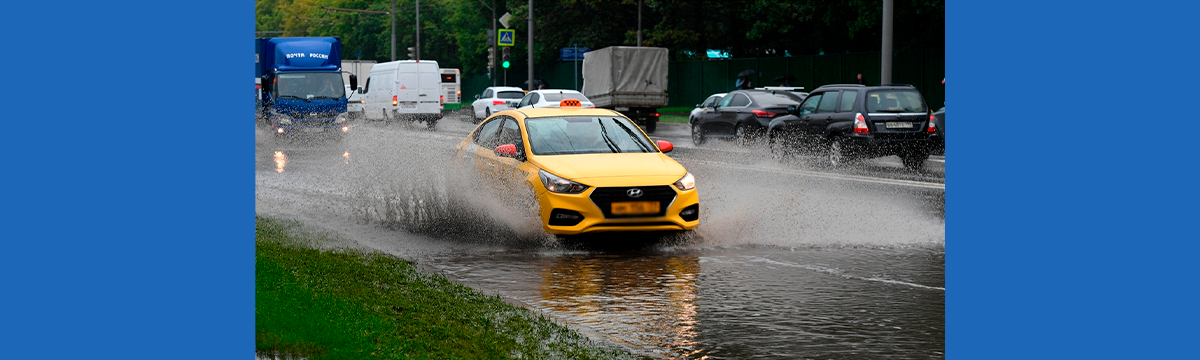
[{"x": 454, "y": 32}]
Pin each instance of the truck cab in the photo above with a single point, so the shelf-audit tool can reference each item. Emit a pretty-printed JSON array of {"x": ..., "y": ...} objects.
[{"x": 302, "y": 88}]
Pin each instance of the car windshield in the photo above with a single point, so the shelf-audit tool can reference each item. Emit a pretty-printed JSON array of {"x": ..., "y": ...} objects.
[
  {"x": 307, "y": 86},
  {"x": 559, "y": 96},
  {"x": 585, "y": 135},
  {"x": 510, "y": 95},
  {"x": 895, "y": 101}
]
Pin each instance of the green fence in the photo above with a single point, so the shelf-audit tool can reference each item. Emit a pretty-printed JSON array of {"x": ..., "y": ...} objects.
[{"x": 693, "y": 80}]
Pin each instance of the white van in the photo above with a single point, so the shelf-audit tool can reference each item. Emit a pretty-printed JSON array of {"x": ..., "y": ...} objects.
[{"x": 404, "y": 90}]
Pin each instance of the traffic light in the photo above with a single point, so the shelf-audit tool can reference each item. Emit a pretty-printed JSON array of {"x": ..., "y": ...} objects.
[
  {"x": 412, "y": 53},
  {"x": 491, "y": 57},
  {"x": 505, "y": 58}
]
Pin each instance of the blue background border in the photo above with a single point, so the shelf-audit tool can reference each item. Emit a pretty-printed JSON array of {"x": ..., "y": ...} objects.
[
  {"x": 1069, "y": 228},
  {"x": 129, "y": 213},
  {"x": 128, "y": 210}
]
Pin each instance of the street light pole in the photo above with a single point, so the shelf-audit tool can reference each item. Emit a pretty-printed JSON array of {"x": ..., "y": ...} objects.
[
  {"x": 418, "y": 30},
  {"x": 393, "y": 30},
  {"x": 530, "y": 60},
  {"x": 886, "y": 71}
]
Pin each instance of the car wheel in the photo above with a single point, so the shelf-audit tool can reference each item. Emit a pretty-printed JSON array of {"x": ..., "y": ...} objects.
[
  {"x": 431, "y": 122},
  {"x": 915, "y": 161},
  {"x": 740, "y": 135},
  {"x": 697, "y": 134},
  {"x": 838, "y": 154},
  {"x": 651, "y": 125}
]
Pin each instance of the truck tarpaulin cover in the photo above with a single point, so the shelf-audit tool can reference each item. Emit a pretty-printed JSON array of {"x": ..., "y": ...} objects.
[
  {"x": 617, "y": 75},
  {"x": 307, "y": 53}
]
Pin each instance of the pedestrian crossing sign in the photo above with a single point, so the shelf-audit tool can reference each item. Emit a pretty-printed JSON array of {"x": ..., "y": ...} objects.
[{"x": 507, "y": 37}]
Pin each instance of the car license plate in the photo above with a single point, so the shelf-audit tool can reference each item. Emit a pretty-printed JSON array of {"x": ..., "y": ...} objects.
[
  {"x": 899, "y": 125},
  {"x": 621, "y": 108},
  {"x": 408, "y": 105},
  {"x": 634, "y": 207},
  {"x": 314, "y": 130}
]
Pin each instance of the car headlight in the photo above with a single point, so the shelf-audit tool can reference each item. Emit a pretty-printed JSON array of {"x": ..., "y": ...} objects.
[
  {"x": 686, "y": 183},
  {"x": 556, "y": 184},
  {"x": 341, "y": 118},
  {"x": 281, "y": 118}
]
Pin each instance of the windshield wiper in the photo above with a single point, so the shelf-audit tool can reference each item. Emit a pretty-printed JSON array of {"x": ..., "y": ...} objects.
[
  {"x": 604, "y": 134},
  {"x": 290, "y": 97},
  {"x": 631, "y": 135}
]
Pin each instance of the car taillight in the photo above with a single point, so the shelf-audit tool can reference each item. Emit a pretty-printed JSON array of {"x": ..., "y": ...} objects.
[
  {"x": 394, "y": 98},
  {"x": 657, "y": 115},
  {"x": 932, "y": 127},
  {"x": 860, "y": 124},
  {"x": 497, "y": 102},
  {"x": 442, "y": 99},
  {"x": 761, "y": 113},
  {"x": 458, "y": 93}
]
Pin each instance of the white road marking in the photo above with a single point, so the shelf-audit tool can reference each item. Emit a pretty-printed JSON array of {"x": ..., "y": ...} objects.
[{"x": 920, "y": 184}]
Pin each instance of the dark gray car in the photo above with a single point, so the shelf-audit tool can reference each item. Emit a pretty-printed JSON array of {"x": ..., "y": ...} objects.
[{"x": 742, "y": 115}]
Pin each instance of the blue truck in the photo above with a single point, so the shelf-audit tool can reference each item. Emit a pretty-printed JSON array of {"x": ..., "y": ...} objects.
[{"x": 300, "y": 85}]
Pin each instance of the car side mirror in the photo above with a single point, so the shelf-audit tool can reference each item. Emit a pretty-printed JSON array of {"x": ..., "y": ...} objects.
[
  {"x": 509, "y": 150},
  {"x": 698, "y": 105},
  {"x": 476, "y": 96},
  {"x": 353, "y": 81},
  {"x": 791, "y": 109},
  {"x": 665, "y": 146}
]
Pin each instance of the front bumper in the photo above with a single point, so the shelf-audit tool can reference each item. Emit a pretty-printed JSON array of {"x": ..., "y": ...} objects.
[
  {"x": 560, "y": 208},
  {"x": 301, "y": 128}
]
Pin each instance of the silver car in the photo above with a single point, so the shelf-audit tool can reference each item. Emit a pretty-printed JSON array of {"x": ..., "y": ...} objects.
[
  {"x": 551, "y": 98},
  {"x": 496, "y": 98}
]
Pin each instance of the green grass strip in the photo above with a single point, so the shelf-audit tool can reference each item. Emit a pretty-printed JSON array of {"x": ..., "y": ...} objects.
[{"x": 348, "y": 304}]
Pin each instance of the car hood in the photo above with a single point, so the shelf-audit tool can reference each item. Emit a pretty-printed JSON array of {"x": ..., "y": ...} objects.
[{"x": 614, "y": 169}]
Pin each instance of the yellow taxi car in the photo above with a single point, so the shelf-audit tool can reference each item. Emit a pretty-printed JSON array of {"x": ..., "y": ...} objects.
[{"x": 591, "y": 170}]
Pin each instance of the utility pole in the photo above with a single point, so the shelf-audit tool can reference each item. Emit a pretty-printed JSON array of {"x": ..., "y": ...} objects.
[
  {"x": 418, "y": 30},
  {"x": 639, "y": 23},
  {"x": 530, "y": 59},
  {"x": 886, "y": 71},
  {"x": 393, "y": 30},
  {"x": 491, "y": 61}
]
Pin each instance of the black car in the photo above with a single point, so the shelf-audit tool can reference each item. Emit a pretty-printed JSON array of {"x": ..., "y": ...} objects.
[
  {"x": 742, "y": 114},
  {"x": 940, "y": 120},
  {"x": 854, "y": 121}
]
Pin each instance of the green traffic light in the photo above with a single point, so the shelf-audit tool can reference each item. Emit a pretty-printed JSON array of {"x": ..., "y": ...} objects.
[{"x": 505, "y": 64}]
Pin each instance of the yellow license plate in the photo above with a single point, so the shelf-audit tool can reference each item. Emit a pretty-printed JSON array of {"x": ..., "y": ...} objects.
[{"x": 634, "y": 207}]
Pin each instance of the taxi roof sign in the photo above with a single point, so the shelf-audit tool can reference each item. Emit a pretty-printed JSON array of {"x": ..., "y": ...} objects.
[{"x": 569, "y": 103}]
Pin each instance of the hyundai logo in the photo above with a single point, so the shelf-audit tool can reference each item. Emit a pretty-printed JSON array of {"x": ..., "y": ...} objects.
[{"x": 634, "y": 193}]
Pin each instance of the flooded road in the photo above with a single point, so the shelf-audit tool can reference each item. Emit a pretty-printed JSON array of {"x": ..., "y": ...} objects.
[{"x": 790, "y": 261}]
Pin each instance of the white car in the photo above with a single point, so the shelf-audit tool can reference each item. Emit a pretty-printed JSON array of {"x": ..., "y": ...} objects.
[
  {"x": 551, "y": 98},
  {"x": 711, "y": 101},
  {"x": 495, "y": 98}
]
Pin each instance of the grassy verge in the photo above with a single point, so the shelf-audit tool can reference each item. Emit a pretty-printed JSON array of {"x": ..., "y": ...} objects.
[
  {"x": 674, "y": 114},
  {"x": 347, "y": 304}
]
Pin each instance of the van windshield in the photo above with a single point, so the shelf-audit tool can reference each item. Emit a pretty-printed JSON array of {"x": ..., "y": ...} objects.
[{"x": 308, "y": 86}]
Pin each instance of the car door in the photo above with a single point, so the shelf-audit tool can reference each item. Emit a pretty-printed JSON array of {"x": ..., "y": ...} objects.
[
  {"x": 482, "y": 103},
  {"x": 844, "y": 114},
  {"x": 821, "y": 120},
  {"x": 728, "y": 114},
  {"x": 483, "y": 149},
  {"x": 807, "y": 110}
]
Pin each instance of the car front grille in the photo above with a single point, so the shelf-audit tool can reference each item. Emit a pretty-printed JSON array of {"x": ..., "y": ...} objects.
[{"x": 604, "y": 197}]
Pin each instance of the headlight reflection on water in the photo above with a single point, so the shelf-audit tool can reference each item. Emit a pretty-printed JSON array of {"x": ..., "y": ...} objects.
[{"x": 281, "y": 161}]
